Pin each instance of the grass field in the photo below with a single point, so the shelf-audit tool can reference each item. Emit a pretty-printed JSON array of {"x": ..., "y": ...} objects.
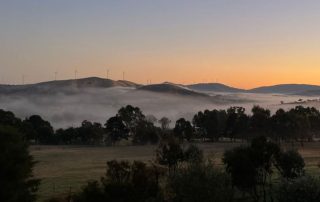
[{"x": 65, "y": 169}]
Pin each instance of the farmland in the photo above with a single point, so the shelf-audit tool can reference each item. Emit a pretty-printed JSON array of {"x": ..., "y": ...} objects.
[{"x": 64, "y": 169}]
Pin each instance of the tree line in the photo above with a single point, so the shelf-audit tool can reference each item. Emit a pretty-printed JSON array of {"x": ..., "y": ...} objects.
[{"x": 297, "y": 124}]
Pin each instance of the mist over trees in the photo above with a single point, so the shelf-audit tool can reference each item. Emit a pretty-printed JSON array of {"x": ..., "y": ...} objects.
[{"x": 299, "y": 124}]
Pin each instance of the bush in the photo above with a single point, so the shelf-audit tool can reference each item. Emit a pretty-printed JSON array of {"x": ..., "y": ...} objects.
[
  {"x": 290, "y": 164},
  {"x": 200, "y": 182},
  {"x": 124, "y": 182},
  {"x": 304, "y": 189}
]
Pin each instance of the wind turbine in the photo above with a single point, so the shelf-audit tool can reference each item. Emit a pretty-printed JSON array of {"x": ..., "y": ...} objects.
[
  {"x": 23, "y": 77},
  {"x": 75, "y": 74}
]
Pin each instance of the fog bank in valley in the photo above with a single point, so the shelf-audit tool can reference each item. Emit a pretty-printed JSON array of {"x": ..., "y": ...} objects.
[{"x": 98, "y": 104}]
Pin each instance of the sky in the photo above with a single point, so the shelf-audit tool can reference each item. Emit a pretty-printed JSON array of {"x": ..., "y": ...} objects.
[{"x": 242, "y": 43}]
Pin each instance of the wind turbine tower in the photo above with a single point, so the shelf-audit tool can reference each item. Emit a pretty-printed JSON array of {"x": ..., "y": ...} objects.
[
  {"x": 23, "y": 78},
  {"x": 75, "y": 74}
]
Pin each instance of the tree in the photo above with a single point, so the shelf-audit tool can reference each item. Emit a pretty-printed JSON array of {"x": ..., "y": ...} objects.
[
  {"x": 183, "y": 129},
  {"x": 280, "y": 125},
  {"x": 193, "y": 155},
  {"x": 41, "y": 130},
  {"x": 116, "y": 129},
  {"x": 16, "y": 165},
  {"x": 8, "y": 118},
  {"x": 237, "y": 122},
  {"x": 169, "y": 153},
  {"x": 146, "y": 132},
  {"x": 131, "y": 116},
  {"x": 200, "y": 182},
  {"x": 67, "y": 136},
  {"x": 259, "y": 121},
  {"x": 123, "y": 182},
  {"x": 165, "y": 123},
  {"x": 242, "y": 170},
  {"x": 91, "y": 133},
  {"x": 251, "y": 167},
  {"x": 210, "y": 124},
  {"x": 290, "y": 164}
]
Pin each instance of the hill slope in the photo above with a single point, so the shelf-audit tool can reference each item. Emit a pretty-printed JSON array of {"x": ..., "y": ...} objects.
[
  {"x": 64, "y": 86},
  {"x": 171, "y": 89},
  {"x": 215, "y": 87},
  {"x": 285, "y": 89}
]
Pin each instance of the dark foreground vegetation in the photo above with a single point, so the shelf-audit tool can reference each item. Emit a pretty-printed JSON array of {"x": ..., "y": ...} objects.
[{"x": 259, "y": 171}]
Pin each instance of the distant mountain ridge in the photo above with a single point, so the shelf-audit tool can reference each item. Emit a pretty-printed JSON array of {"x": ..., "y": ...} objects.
[
  {"x": 65, "y": 85},
  {"x": 286, "y": 89},
  {"x": 200, "y": 89}
]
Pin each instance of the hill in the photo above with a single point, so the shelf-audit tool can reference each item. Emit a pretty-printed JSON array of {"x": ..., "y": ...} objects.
[
  {"x": 170, "y": 88},
  {"x": 65, "y": 86},
  {"x": 215, "y": 87},
  {"x": 286, "y": 89}
]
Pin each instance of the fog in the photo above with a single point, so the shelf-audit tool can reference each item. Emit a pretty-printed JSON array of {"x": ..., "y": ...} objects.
[{"x": 94, "y": 104}]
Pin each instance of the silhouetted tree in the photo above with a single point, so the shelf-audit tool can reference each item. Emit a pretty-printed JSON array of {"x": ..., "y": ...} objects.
[
  {"x": 210, "y": 124},
  {"x": 116, "y": 130},
  {"x": 8, "y": 118},
  {"x": 67, "y": 136},
  {"x": 183, "y": 130},
  {"x": 16, "y": 165},
  {"x": 165, "y": 123},
  {"x": 91, "y": 133},
  {"x": 193, "y": 155},
  {"x": 124, "y": 182},
  {"x": 169, "y": 153},
  {"x": 200, "y": 182},
  {"x": 39, "y": 129},
  {"x": 146, "y": 132},
  {"x": 280, "y": 126},
  {"x": 290, "y": 164},
  {"x": 251, "y": 167},
  {"x": 259, "y": 121},
  {"x": 237, "y": 123},
  {"x": 131, "y": 116}
]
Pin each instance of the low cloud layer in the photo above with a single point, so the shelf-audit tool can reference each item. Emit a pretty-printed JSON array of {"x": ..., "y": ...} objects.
[{"x": 64, "y": 110}]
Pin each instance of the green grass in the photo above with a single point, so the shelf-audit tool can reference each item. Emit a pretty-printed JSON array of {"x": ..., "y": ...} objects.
[{"x": 67, "y": 168}]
